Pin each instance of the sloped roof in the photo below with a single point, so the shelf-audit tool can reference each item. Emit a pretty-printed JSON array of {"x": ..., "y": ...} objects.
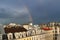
[
  {"x": 47, "y": 28},
  {"x": 14, "y": 29}
]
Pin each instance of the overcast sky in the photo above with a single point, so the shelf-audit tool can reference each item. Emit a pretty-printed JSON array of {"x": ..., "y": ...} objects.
[{"x": 18, "y": 11}]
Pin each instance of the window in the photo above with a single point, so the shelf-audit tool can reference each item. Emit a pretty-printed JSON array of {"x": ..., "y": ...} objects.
[
  {"x": 55, "y": 38},
  {"x": 30, "y": 38},
  {"x": 24, "y": 39},
  {"x": 27, "y": 39},
  {"x": 55, "y": 31}
]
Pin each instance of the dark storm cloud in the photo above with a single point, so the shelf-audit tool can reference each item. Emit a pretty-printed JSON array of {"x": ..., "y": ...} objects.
[
  {"x": 41, "y": 10},
  {"x": 13, "y": 11},
  {"x": 8, "y": 15},
  {"x": 45, "y": 10}
]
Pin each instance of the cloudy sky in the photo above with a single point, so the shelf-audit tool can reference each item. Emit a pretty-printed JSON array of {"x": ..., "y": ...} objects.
[{"x": 19, "y": 11}]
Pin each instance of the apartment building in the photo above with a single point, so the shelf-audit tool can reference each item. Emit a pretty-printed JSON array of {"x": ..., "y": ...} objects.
[
  {"x": 49, "y": 33},
  {"x": 28, "y": 26},
  {"x": 0, "y": 36},
  {"x": 15, "y": 32},
  {"x": 29, "y": 35}
]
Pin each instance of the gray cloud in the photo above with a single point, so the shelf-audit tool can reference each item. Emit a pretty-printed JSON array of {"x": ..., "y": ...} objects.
[
  {"x": 10, "y": 14},
  {"x": 44, "y": 10},
  {"x": 41, "y": 10}
]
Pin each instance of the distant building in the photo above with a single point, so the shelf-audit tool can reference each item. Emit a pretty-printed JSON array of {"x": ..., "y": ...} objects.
[
  {"x": 12, "y": 28},
  {"x": 56, "y": 28},
  {"x": 15, "y": 32},
  {"x": 28, "y": 26},
  {"x": 1, "y": 36},
  {"x": 49, "y": 33}
]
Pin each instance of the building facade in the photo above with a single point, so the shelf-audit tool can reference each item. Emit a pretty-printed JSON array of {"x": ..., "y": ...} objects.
[{"x": 15, "y": 32}]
